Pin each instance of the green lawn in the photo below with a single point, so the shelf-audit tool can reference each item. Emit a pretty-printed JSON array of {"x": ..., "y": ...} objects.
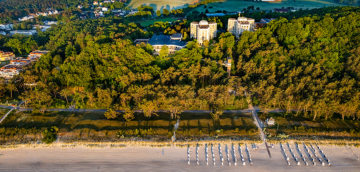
[
  {"x": 161, "y": 4},
  {"x": 166, "y": 19},
  {"x": 238, "y": 5},
  {"x": 233, "y": 5}
]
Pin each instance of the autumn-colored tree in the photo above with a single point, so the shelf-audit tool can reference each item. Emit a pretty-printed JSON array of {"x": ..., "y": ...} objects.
[
  {"x": 164, "y": 51},
  {"x": 148, "y": 108},
  {"x": 111, "y": 114},
  {"x": 65, "y": 93},
  {"x": 215, "y": 114},
  {"x": 128, "y": 114},
  {"x": 174, "y": 107}
]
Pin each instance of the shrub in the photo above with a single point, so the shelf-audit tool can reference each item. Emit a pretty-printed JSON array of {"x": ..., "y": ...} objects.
[
  {"x": 201, "y": 132},
  {"x": 283, "y": 136},
  {"x": 50, "y": 135},
  {"x": 301, "y": 128},
  {"x": 170, "y": 134},
  {"x": 111, "y": 114},
  {"x": 136, "y": 132},
  {"x": 143, "y": 132},
  {"x": 119, "y": 133},
  {"x": 2, "y": 130}
]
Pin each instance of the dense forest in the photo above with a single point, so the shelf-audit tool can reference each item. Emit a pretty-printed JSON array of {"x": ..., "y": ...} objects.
[
  {"x": 308, "y": 63},
  {"x": 222, "y": 22}
]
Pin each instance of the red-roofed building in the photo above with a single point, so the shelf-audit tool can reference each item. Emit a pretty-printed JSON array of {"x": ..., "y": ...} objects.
[
  {"x": 6, "y": 56},
  {"x": 9, "y": 71},
  {"x": 33, "y": 56}
]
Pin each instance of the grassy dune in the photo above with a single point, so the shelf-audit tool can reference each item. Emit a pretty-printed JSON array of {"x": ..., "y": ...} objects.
[
  {"x": 300, "y": 126},
  {"x": 87, "y": 126}
]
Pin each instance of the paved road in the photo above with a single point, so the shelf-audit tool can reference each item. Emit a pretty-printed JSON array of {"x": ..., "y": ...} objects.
[{"x": 104, "y": 110}]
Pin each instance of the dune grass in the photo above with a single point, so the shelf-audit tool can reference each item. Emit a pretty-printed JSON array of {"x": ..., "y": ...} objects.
[
  {"x": 299, "y": 125},
  {"x": 93, "y": 124}
]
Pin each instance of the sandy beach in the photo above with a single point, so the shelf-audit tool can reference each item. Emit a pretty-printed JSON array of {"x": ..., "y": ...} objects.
[{"x": 136, "y": 158}]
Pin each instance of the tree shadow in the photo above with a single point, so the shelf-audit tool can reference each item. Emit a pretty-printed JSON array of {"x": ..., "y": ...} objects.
[
  {"x": 154, "y": 6},
  {"x": 199, "y": 124},
  {"x": 244, "y": 123},
  {"x": 188, "y": 125},
  {"x": 209, "y": 128},
  {"x": 232, "y": 122}
]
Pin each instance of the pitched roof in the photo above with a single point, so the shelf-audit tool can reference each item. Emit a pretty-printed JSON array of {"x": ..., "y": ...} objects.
[
  {"x": 176, "y": 36},
  {"x": 165, "y": 40}
]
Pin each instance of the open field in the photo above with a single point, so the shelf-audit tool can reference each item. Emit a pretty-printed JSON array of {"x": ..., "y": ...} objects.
[
  {"x": 304, "y": 126},
  {"x": 166, "y": 159},
  {"x": 233, "y": 5},
  {"x": 236, "y": 5},
  {"x": 22, "y": 127},
  {"x": 161, "y": 4},
  {"x": 166, "y": 19}
]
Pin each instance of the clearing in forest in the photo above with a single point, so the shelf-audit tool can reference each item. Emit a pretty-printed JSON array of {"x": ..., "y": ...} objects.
[
  {"x": 161, "y": 4},
  {"x": 166, "y": 19},
  {"x": 238, "y": 5}
]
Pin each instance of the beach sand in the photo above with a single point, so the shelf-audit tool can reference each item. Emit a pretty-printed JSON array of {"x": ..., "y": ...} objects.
[{"x": 136, "y": 158}]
